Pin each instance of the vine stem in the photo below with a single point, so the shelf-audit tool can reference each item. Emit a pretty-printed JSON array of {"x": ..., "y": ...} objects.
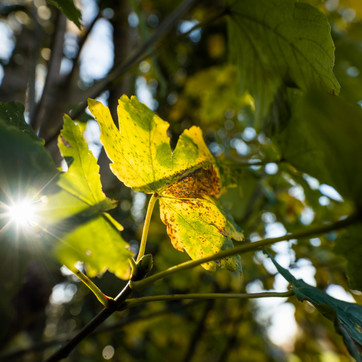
[
  {"x": 64, "y": 351},
  {"x": 129, "y": 303},
  {"x": 146, "y": 226},
  {"x": 247, "y": 247}
]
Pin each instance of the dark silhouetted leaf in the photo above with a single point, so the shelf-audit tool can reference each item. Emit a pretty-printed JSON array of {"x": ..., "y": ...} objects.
[{"x": 280, "y": 42}]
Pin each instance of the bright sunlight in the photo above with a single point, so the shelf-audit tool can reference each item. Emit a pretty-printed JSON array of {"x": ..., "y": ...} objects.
[{"x": 23, "y": 213}]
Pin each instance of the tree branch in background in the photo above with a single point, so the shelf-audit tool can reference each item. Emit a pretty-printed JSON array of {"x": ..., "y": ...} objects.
[
  {"x": 113, "y": 76},
  {"x": 17, "y": 354},
  {"x": 40, "y": 113}
]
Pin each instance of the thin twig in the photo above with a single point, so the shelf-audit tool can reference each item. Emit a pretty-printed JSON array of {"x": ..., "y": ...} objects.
[
  {"x": 64, "y": 351},
  {"x": 196, "y": 336},
  {"x": 17, "y": 354},
  {"x": 82, "y": 40},
  {"x": 129, "y": 303},
  {"x": 247, "y": 247}
]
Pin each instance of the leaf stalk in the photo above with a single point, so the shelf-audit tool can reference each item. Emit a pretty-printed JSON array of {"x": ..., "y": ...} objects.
[{"x": 146, "y": 226}]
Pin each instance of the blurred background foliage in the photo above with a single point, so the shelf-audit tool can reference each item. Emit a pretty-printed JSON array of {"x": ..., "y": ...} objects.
[{"x": 52, "y": 66}]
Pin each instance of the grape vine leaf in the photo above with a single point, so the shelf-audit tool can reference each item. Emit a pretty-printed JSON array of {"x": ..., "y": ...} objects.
[
  {"x": 349, "y": 245},
  {"x": 322, "y": 139},
  {"x": 141, "y": 153},
  {"x": 347, "y": 317},
  {"x": 86, "y": 232},
  {"x": 279, "y": 43},
  {"x": 186, "y": 180}
]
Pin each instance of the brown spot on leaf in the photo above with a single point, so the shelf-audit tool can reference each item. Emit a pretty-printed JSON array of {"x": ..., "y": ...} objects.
[
  {"x": 66, "y": 143},
  {"x": 203, "y": 181}
]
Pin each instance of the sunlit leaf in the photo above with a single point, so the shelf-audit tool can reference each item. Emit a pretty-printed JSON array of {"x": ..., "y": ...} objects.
[
  {"x": 82, "y": 179},
  {"x": 76, "y": 217},
  {"x": 278, "y": 43},
  {"x": 141, "y": 151},
  {"x": 347, "y": 317},
  {"x": 185, "y": 180},
  {"x": 196, "y": 222},
  {"x": 99, "y": 245}
]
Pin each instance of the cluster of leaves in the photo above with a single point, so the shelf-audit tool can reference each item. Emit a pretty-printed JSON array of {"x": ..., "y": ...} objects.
[{"x": 281, "y": 80}]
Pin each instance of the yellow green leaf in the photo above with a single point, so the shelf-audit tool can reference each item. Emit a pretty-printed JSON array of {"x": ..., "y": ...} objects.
[
  {"x": 141, "y": 152},
  {"x": 82, "y": 179},
  {"x": 196, "y": 222},
  {"x": 186, "y": 180},
  {"x": 75, "y": 216}
]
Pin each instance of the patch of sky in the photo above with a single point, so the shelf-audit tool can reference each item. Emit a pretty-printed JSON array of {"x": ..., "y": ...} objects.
[
  {"x": 324, "y": 201},
  {"x": 133, "y": 20},
  {"x": 89, "y": 11},
  {"x": 312, "y": 182},
  {"x": 336, "y": 291},
  {"x": 216, "y": 149},
  {"x": 297, "y": 192},
  {"x": 307, "y": 215},
  {"x": 186, "y": 26},
  {"x": 271, "y": 168},
  {"x": 92, "y": 135},
  {"x": 63, "y": 293},
  {"x": 240, "y": 146},
  {"x": 138, "y": 205},
  {"x": 96, "y": 58},
  {"x": 248, "y": 134},
  {"x": 330, "y": 192},
  {"x": 144, "y": 93}
]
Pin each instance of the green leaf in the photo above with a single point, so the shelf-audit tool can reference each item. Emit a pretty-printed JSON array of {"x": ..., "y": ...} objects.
[
  {"x": 349, "y": 245},
  {"x": 68, "y": 8},
  {"x": 76, "y": 214},
  {"x": 278, "y": 43},
  {"x": 323, "y": 139},
  {"x": 141, "y": 151},
  {"x": 12, "y": 114},
  {"x": 196, "y": 222},
  {"x": 82, "y": 179},
  {"x": 347, "y": 317},
  {"x": 186, "y": 180},
  {"x": 26, "y": 167},
  {"x": 99, "y": 245}
]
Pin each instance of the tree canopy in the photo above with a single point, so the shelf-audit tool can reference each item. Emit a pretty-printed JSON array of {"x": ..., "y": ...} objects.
[{"x": 239, "y": 123}]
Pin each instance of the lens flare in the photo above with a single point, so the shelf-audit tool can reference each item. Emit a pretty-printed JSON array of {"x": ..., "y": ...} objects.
[{"x": 23, "y": 214}]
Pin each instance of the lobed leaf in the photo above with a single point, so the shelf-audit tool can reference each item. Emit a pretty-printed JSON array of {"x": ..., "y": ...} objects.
[
  {"x": 76, "y": 214},
  {"x": 82, "y": 179},
  {"x": 278, "y": 43},
  {"x": 141, "y": 152},
  {"x": 322, "y": 139},
  {"x": 196, "y": 222},
  {"x": 186, "y": 180}
]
